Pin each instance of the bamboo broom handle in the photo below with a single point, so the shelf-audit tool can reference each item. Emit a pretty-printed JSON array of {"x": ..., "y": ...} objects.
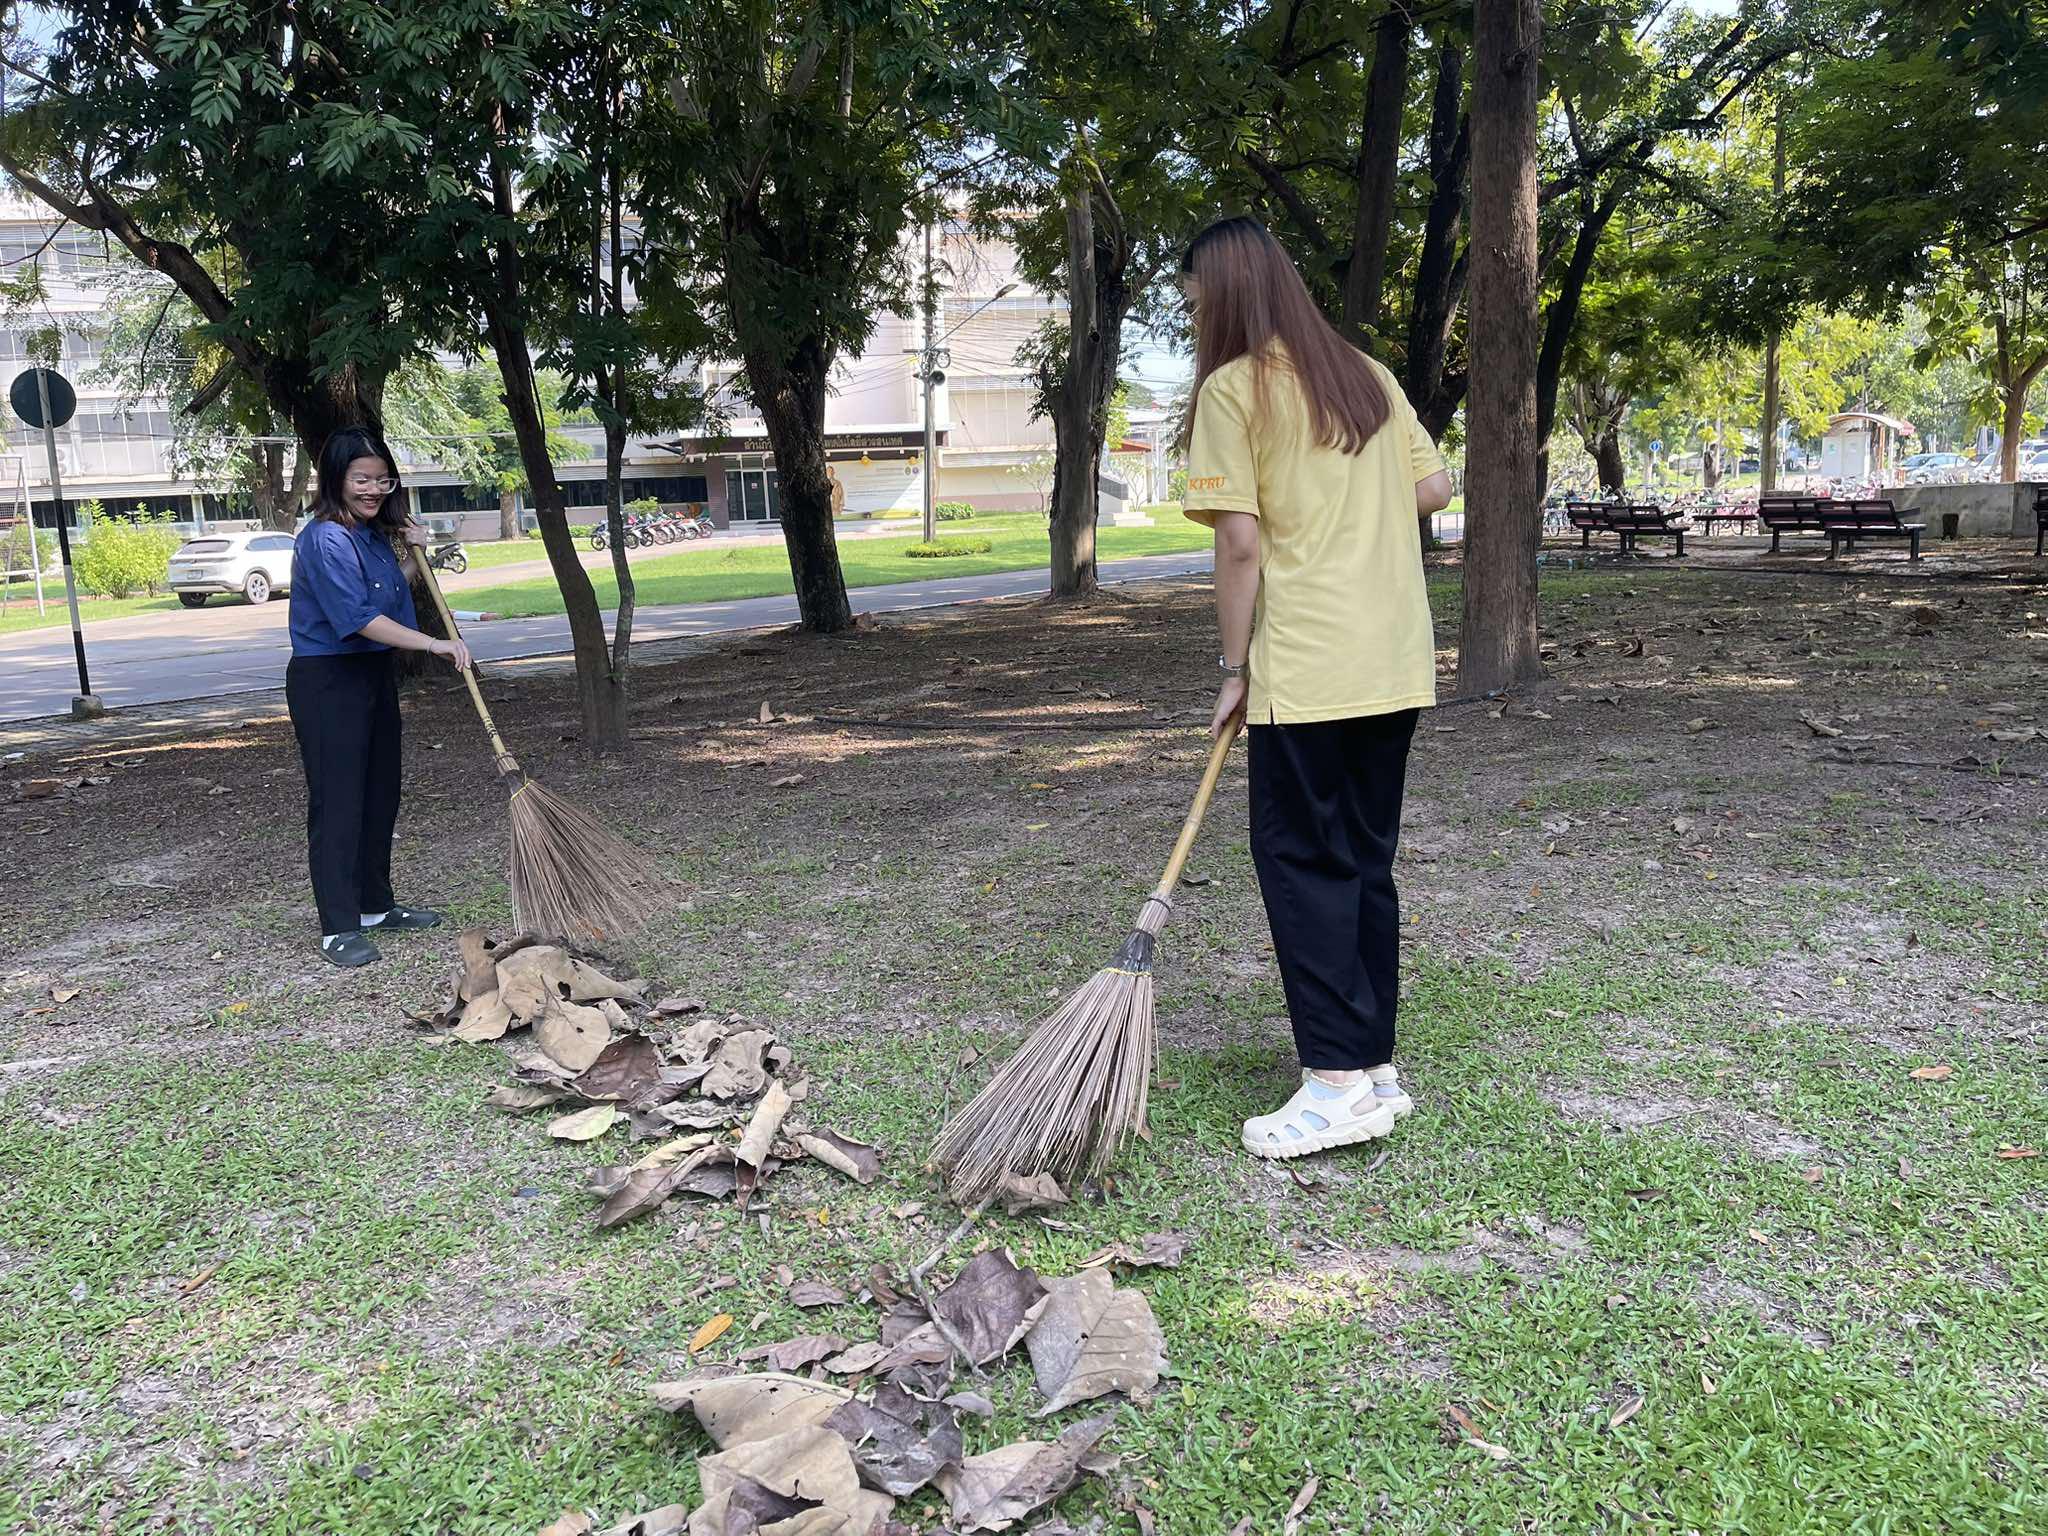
[
  {"x": 507, "y": 763},
  {"x": 1164, "y": 890}
]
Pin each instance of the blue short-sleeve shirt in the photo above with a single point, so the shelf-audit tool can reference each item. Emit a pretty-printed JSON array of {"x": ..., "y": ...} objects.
[{"x": 341, "y": 579}]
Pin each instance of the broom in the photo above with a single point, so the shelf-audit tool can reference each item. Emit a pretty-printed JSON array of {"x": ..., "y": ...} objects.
[
  {"x": 571, "y": 877},
  {"x": 1075, "y": 1091}
]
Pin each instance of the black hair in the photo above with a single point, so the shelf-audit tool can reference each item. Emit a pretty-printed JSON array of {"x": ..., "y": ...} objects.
[
  {"x": 342, "y": 449},
  {"x": 1243, "y": 225}
]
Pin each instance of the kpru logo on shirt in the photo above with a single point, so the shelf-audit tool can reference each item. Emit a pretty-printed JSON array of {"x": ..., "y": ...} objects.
[{"x": 1207, "y": 483}]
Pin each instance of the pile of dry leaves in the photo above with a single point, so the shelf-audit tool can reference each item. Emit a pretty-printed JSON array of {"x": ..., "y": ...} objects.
[
  {"x": 874, "y": 1421},
  {"x": 810, "y": 1456},
  {"x": 601, "y": 1056}
]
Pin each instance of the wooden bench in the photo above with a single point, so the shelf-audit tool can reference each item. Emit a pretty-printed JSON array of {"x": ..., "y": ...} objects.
[
  {"x": 1628, "y": 521},
  {"x": 1867, "y": 517},
  {"x": 1589, "y": 517},
  {"x": 2040, "y": 519},
  {"x": 1790, "y": 514}
]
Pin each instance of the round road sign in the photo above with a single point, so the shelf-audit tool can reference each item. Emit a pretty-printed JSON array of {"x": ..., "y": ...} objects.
[{"x": 27, "y": 399}]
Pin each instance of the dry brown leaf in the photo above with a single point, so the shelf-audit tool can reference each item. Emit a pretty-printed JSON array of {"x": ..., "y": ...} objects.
[
  {"x": 990, "y": 1305},
  {"x": 668, "y": 1007},
  {"x": 899, "y": 1442},
  {"x": 572, "y": 1036},
  {"x": 1039, "y": 1192},
  {"x": 484, "y": 1017},
  {"x": 753, "y": 1406},
  {"x": 1164, "y": 1249},
  {"x": 518, "y": 1098},
  {"x": 815, "y": 1293},
  {"x": 479, "y": 965},
  {"x": 994, "y": 1491},
  {"x": 858, "y": 1360},
  {"x": 639, "y": 1192},
  {"x": 625, "y": 1068},
  {"x": 2010, "y": 1152},
  {"x": 709, "y": 1334},
  {"x": 799, "y": 1483},
  {"x": 1625, "y": 1412},
  {"x": 63, "y": 994},
  {"x": 1302, "y": 1500},
  {"x": 972, "y": 1402},
  {"x": 767, "y": 715},
  {"x": 585, "y": 1124},
  {"x": 1939, "y": 1073},
  {"x": 573, "y": 1522},
  {"x": 858, "y": 1160},
  {"x": 762, "y": 1128},
  {"x": 795, "y": 1354},
  {"x": 1090, "y": 1338},
  {"x": 201, "y": 1278},
  {"x": 737, "y": 1066},
  {"x": 671, "y": 1152},
  {"x": 669, "y": 1520}
]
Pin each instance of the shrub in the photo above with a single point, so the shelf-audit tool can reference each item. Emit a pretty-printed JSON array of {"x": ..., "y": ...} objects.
[
  {"x": 14, "y": 554},
  {"x": 121, "y": 557},
  {"x": 953, "y": 512},
  {"x": 646, "y": 506},
  {"x": 940, "y": 549}
]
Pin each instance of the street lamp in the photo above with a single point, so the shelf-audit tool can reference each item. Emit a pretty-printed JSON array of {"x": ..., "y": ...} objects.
[{"x": 932, "y": 361}]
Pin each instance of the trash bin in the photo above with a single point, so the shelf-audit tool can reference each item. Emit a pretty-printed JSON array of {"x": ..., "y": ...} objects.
[{"x": 1950, "y": 523}]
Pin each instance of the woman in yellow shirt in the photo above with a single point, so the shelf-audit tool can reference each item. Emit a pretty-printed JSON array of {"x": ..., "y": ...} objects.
[{"x": 1307, "y": 460}]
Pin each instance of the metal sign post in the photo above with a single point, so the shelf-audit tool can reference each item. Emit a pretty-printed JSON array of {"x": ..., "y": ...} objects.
[{"x": 44, "y": 398}]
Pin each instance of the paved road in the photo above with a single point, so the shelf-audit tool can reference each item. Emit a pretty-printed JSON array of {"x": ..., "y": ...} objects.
[{"x": 162, "y": 658}]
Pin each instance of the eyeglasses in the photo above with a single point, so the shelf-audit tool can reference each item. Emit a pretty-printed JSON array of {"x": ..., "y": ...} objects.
[{"x": 385, "y": 486}]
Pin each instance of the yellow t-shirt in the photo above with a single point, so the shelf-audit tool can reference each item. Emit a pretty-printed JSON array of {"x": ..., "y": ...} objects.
[{"x": 1342, "y": 626}]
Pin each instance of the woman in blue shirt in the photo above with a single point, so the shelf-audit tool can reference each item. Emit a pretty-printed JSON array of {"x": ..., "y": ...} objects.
[{"x": 351, "y": 607}]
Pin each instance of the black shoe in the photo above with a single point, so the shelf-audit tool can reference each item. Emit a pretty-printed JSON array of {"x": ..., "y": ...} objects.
[
  {"x": 350, "y": 950},
  {"x": 410, "y": 918}
]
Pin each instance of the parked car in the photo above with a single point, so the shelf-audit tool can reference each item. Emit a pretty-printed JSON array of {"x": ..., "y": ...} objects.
[
  {"x": 2034, "y": 466},
  {"x": 1933, "y": 466},
  {"x": 253, "y": 564}
]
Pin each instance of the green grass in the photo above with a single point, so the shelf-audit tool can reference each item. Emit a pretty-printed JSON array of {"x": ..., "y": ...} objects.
[
  {"x": 21, "y": 606},
  {"x": 710, "y": 573},
  {"x": 409, "y": 1287}
]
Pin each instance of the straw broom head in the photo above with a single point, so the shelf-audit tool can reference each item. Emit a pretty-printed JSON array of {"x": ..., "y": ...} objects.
[
  {"x": 1074, "y": 1093},
  {"x": 571, "y": 876}
]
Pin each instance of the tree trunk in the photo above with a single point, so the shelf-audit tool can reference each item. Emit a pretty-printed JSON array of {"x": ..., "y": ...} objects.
[
  {"x": 1767, "y": 455},
  {"x": 1098, "y": 296},
  {"x": 1379, "y": 170},
  {"x": 1440, "y": 268},
  {"x": 1562, "y": 314},
  {"x": 600, "y": 699},
  {"x": 268, "y": 492},
  {"x": 508, "y": 513},
  {"x": 1607, "y": 460},
  {"x": 319, "y": 406},
  {"x": 612, "y": 298},
  {"x": 1710, "y": 465},
  {"x": 791, "y": 398},
  {"x": 615, "y": 529},
  {"x": 1497, "y": 644}
]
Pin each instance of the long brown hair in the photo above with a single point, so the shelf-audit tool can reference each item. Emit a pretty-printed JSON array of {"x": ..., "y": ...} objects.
[{"x": 1252, "y": 300}]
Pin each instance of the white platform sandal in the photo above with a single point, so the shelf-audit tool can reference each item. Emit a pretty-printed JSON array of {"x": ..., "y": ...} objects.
[{"x": 1306, "y": 1124}]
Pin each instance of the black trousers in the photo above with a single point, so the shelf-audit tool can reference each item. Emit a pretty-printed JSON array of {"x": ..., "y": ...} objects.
[
  {"x": 345, "y": 712},
  {"x": 1326, "y": 816}
]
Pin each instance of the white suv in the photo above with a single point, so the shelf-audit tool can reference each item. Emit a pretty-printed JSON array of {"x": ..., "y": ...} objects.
[{"x": 253, "y": 564}]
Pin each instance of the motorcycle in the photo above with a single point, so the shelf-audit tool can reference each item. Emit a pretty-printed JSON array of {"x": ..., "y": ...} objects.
[{"x": 450, "y": 558}]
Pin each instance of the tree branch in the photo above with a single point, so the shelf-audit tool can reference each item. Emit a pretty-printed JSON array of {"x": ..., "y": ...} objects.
[{"x": 1297, "y": 207}]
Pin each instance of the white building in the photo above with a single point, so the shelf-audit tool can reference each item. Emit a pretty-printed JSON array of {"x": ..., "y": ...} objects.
[{"x": 990, "y": 450}]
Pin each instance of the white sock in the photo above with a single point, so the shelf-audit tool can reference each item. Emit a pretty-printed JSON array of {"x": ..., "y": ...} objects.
[
  {"x": 329, "y": 940},
  {"x": 1386, "y": 1082},
  {"x": 372, "y": 919}
]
